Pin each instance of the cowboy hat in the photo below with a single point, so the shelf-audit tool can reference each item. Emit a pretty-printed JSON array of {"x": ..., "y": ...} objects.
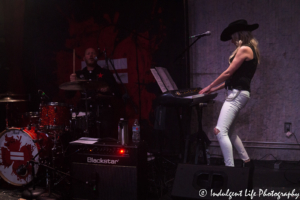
[{"x": 239, "y": 25}]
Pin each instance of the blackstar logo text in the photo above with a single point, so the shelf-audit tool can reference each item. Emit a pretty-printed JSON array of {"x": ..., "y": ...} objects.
[{"x": 102, "y": 161}]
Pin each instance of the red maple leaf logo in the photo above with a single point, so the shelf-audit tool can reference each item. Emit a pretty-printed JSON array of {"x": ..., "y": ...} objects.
[{"x": 100, "y": 75}]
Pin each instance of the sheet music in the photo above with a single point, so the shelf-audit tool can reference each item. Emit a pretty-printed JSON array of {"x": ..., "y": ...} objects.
[
  {"x": 159, "y": 81},
  {"x": 86, "y": 140},
  {"x": 166, "y": 78}
]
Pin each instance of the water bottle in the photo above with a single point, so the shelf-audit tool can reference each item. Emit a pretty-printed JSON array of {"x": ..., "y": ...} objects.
[
  {"x": 136, "y": 131},
  {"x": 123, "y": 132},
  {"x": 207, "y": 157}
]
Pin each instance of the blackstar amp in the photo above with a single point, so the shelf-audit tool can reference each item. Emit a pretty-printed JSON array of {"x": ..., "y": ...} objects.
[{"x": 106, "y": 170}]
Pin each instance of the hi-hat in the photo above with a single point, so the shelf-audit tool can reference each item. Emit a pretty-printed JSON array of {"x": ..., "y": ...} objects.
[
  {"x": 9, "y": 100},
  {"x": 82, "y": 85}
]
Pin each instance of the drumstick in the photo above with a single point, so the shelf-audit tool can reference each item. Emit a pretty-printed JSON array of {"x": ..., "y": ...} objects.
[{"x": 73, "y": 61}]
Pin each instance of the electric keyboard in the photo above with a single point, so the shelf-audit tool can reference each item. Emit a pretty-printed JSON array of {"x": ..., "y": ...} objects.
[{"x": 188, "y": 97}]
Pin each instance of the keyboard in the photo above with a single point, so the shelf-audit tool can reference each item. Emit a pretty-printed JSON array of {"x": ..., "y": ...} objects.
[{"x": 188, "y": 97}]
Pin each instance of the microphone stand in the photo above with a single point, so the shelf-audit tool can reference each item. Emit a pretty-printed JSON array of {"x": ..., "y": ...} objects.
[
  {"x": 50, "y": 182},
  {"x": 32, "y": 162},
  {"x": 179, "y": 56},
  {"x": 126, "y": 96},
  {"x": 200, "y": 131},
  {"x": 106, "y": 59}
]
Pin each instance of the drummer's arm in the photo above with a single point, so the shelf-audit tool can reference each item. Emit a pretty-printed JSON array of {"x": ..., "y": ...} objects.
[
  {"x": 71, "y": 94},
  {"x": 73, "y": 77}
]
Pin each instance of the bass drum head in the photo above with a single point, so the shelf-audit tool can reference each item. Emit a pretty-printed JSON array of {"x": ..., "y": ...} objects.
[{"x": 17, "y": 148}]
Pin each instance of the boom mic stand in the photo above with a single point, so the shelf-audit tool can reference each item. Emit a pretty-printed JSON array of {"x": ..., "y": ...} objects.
[
  {"x": 177, "y": 57},
  {"x": 201, "y": 136},
  {"x": 22, "y": 170},
  {"x": 34, "y": 193}
]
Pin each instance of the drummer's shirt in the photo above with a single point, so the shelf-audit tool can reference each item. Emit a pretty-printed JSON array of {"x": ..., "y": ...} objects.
[{"x": 98, "y": 74}]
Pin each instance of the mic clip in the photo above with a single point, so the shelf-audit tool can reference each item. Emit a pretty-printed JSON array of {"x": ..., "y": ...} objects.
[{"x": 22, "y": 170}]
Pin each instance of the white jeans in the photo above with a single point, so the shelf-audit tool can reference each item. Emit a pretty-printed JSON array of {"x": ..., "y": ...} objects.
[{"x": 235, "y": 101}]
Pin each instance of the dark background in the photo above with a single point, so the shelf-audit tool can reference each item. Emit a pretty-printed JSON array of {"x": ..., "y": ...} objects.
[{"x": 37, "y": 39}]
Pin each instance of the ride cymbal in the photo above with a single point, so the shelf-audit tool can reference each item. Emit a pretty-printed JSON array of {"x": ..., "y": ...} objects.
[{"x": 83, "y": 85}]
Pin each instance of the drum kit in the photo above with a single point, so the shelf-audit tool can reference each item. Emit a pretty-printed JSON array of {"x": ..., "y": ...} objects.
[{"x": 36, "y": 141}]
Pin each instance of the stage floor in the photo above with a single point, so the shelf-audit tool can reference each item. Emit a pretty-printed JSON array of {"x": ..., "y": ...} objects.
[{"x": 266, "y": 179}]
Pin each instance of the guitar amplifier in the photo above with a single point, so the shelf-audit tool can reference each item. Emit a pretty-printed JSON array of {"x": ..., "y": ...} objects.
[{"x": 107, "y": 170}]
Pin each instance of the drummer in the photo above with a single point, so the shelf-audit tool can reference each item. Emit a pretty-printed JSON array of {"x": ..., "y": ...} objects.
[
  {"x": 94, "y": 72},
  {"x": 100, "y": 103}
]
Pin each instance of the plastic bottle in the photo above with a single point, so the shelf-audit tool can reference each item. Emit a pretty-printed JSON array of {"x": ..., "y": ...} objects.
[
  {"x": 136, "y": 131},
  {"x": 207, "y": 157},
  {"x": 123, "y": 131}
]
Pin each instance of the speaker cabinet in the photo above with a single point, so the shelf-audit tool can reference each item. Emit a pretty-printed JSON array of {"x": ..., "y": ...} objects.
[
  {"x": 205, "y": 182},
  {"x": 109, "y": 176}
]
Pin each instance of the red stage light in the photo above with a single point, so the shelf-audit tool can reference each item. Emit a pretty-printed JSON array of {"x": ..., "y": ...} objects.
[{"x": 122, "y": 151}]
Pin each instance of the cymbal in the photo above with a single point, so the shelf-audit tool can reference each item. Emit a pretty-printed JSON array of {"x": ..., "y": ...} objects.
[
  {"x": 82, "y": 85},
  {"x": 97, "y": 97},
  {"x": 11, "y": 94},
  {"x": 10, "y": 100}
]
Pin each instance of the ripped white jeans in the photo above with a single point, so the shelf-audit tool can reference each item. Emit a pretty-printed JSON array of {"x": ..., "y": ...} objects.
[{"x": 235, "y": 101}]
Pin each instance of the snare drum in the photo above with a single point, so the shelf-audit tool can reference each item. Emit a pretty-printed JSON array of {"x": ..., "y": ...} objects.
[
  {"x": 19, "y": 146},
  {"x": 28, "y": 119},
  {"x": 54, "y": 115}
]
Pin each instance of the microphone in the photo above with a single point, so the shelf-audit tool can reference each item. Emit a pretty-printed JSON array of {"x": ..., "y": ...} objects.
[
  {"x": 201, "y": 35},
  {"x": 43, "y": 93},
  {"x": 22, "y": 170}
]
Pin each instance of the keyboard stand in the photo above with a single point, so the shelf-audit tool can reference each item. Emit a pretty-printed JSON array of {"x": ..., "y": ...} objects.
[
  {"x": 185, "y": 104},
  {"x": 201, "y": 138}
]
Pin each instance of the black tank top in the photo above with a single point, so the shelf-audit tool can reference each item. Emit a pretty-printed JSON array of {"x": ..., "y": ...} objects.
[{"x": 242, "y": 77}]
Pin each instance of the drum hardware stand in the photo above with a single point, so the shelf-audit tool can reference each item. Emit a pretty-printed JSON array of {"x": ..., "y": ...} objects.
[
  {"x": 54, "y": 151},
  {"x": 7, "y": 114},
  {"x": 28, "y": 193},
  {"x": 6, "y": 120},
  {"x": 50, "y": 180},
  {"x": 22, "y": 169},
  {"x": 86, "y": 131}
]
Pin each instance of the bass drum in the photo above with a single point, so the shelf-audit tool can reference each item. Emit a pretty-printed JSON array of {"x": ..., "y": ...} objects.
[{"x": 18, "y": 146}]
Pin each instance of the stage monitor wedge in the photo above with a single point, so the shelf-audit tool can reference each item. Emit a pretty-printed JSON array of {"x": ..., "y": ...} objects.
[{"x": 207, "y": 182}]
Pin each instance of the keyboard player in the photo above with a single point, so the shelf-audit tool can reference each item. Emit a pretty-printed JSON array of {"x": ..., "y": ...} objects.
[{"x": 236, "y": 78}]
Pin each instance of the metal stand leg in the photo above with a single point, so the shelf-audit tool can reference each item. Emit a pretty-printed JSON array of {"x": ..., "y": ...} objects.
[
  {"x": 202, "y": 139},
  {"x": 86, "y": 131},
  {"x": 187, "y": 119},
  {"x": 6, "y": 120}
]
